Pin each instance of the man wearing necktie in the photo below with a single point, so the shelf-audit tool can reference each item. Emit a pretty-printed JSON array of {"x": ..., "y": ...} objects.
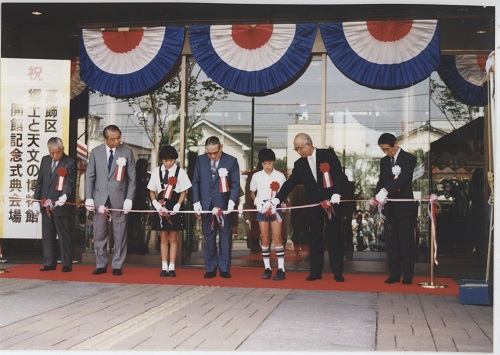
[
  {"x": 110, "y": 181},
  {"x": 395, "y": 182},
  {"x": 56, "y": 222},
  {"x": 320, "y": 172}
]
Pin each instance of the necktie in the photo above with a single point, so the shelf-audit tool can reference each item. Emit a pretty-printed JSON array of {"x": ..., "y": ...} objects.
[
  {"x": 110, "y": 160},
  {"x": 53, "y": 167},
  {"x": 392, "y": 161},
  {"x": 213, "y": 168}
]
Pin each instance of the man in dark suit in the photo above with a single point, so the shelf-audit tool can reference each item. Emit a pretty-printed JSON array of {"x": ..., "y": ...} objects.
[
  {"x": 56, "y": 182},
  {"x": 110, "y": 181},
  {"x": 216, "y": 183},
  {"x": 395, "y": 182},
  {"x": 320, "y": 172}
]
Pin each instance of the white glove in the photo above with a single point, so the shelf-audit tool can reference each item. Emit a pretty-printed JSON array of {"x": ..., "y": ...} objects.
[
  {"x": 268, "y": 205},
  {"x": 197, "y": 207},
  {"x": 258, "y": 203},
  {"x": 156, "y": 205},
  {"x": 381, "y": 196},
  {"x": 230, "y": 207},
  {"x": 36, "y": 208},
  {"x": 335, "y": 198},
  {"x": 275, "y": 201},
  {"x": 176, "y": 209},
  {"x": 61, "y": 200},
  {"x": 89, "y": 204},
  {"x": 127, "y": 206}
]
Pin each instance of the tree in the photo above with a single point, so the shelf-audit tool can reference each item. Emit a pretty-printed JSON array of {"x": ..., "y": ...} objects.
[
  {"x": 158, "y": 113},
  {"x": 456, "y": 112}
]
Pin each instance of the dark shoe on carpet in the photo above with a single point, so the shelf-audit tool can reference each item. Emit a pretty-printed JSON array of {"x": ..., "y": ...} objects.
[
  {"x": 267, "y": 274},
  {"x": 99, "y": 271},
  {"x": 164, "y": 273},
  {"x": 391, "y": 280},
  {"x": 209, "y": 274},
  {"x": 225, "y": 275},
  {"x": 407, "y": 282},
  {"x": 280, "y": 275},
  {"x": 117, "y": 272},
  {"x": 172, "y": 273},
  {"x": 48, "y": 268},
  {"x": 67, "y": 269},
  {"x": 313, "y": 277},
  {"x": 338, "y": 278}
]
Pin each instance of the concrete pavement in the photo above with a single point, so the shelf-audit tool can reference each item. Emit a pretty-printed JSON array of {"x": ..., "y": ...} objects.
[{"x": 55, "y": 315}]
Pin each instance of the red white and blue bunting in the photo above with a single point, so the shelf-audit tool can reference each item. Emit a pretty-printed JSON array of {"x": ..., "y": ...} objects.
[
  {"x": 384, "y": 54},
  {"x": 130, "y": 63},
  {"x": 466, "y": 77},
  {"x": 253, "y": 60}
]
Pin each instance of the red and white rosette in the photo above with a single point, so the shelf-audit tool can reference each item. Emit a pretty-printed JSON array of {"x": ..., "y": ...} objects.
[
  {"x": 275, "y": 186},
  {"x": 224, "y": 185},
  {"x": 327, "y": 178},
  {"x": 120, "y": 169},
  {"x": 172, "y": 181},
  {"x": 61, "y": 178}
]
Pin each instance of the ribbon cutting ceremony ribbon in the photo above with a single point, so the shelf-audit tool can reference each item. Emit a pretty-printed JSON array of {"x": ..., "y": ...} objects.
[{"x": 219, "y": 216}]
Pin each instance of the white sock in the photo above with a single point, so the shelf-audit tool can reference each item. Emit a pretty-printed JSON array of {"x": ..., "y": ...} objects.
[
  {"x": 280, "y": 253},
  {"x": 265, "y": 257},
  {"x": 171, "y": 266},
  {"x": 164, "y": 265}
]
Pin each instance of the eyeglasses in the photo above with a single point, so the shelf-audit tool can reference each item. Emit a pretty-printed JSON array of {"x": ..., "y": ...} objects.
[
  {"x": 213, "y": 153},
  {"x": 300, "y": 148}
]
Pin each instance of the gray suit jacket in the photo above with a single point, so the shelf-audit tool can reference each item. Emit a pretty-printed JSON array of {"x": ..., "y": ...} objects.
[
  {"x": 99, "y": 184},
  {"x": 46, "y": 183}
]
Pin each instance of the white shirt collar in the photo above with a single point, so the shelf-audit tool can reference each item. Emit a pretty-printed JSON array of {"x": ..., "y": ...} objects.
[{"x": 396, "y": 155}]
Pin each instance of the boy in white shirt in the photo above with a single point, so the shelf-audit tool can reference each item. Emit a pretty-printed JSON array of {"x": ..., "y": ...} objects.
[{"x": 267, "y": 183}]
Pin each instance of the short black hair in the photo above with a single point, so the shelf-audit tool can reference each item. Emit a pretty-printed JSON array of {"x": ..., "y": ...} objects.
[
  {"x": 266, "y": 154},
  {"x": 110, "y": 128},
  {"x": 387, "y": 138},
  {"x": 212, "y": 141},
  {"x": 168, "y": 152}
]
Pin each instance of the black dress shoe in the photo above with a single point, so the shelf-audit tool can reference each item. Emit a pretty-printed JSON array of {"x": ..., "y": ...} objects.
[
  {"x": 279, "y": 276},
  {"x": 338, "y": 278},
  {"x": 209, "y": 274},
  {"x": 172, "y": 273},
  {"x": 407, "y": 282},
  {"x": 313, "y": 277},
  {"x": 267, "y": 274},
  {"x": 48, "y": 268},
  {"x": 164, "y": 273},
  {"x": 225, "y": 275},
  {"x": 117, "y": 272},
  {"x": 67, "y": 269},
  {"x": 391, "y": 280},
  {"x": 99, "y": 271}
]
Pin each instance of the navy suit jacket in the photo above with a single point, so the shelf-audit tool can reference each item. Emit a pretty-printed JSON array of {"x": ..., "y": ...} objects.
[
  {"x": 400, "y": 187},
  {"x": 206, "y": 191},
  {"x": 46, "y": 183},
  {"x": 302, "y": 174}
]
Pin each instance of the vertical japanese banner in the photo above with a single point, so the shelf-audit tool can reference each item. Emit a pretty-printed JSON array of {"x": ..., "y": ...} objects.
[{"x": 35, "y": 96}]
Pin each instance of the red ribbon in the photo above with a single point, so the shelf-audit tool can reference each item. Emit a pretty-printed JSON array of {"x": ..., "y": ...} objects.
[
  {"x": 218, "y": 215},
  {"x": 172, "y": 181},
  {"x": 270, "y": 213},
  {"x": 121, "y": 170},
  {"x": 61, "y": 173},
  {"x": 434, "y": 210},
  {"x": 275, "y": 186},
  {"x": 328, "y": 207},
  {"x": 223, "y": 183},
  {"x": 327, "y": 179},
  {"x": 47, "y": 203}
]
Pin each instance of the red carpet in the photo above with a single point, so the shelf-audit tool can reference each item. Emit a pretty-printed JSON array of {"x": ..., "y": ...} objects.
[{"x": 241, "y": 277}]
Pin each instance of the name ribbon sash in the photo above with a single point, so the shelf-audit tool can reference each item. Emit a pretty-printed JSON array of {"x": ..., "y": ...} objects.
[
  {"x": 275, "y": 186},
  {"x": 172, "y": 181},
  {"x": 61, "y": 178},
  {"x": 120, "y": 170},
  {"x": 327, "y": 179},
  {"x": 224, "y": 185}
]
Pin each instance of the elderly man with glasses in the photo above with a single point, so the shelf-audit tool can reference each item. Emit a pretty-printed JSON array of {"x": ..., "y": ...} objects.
[
  {"x": 216, "y": 187},
  {"x": 320, "y": 172}
]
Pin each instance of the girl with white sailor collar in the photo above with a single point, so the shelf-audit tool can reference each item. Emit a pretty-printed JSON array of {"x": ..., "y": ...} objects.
[{"x": 167, "y": 189}]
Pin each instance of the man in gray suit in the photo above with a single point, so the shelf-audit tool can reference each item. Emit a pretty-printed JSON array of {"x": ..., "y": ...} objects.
[
  {"x": 56, "y": 182},
  {"x": 216, "y": 183},
  {"x": 110, "y": 181}
]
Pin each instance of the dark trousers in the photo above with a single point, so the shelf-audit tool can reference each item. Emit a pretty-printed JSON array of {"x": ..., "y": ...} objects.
[
  {"x": 318, "y": 222},
  {"x": 400, "y": 247},
  {"x": 53, "y": 227},
  {"x": 217, "y": 255}
]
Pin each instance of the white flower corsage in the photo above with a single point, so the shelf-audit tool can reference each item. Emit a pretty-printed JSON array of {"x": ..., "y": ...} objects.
[
  {"x": 120, "y": 171},
  {"x": 396, "y": 170},
  {"x": 224, "y": 185}
]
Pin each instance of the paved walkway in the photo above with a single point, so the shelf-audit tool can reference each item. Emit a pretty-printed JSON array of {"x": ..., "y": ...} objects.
[{"x": 50, "y": 315}]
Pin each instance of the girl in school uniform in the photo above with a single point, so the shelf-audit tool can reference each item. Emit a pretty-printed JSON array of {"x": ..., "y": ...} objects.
[{"x": 167, "y": 190}]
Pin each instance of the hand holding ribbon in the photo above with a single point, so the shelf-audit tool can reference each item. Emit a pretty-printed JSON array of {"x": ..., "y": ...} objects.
[{"x": 62, "y": 199}]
